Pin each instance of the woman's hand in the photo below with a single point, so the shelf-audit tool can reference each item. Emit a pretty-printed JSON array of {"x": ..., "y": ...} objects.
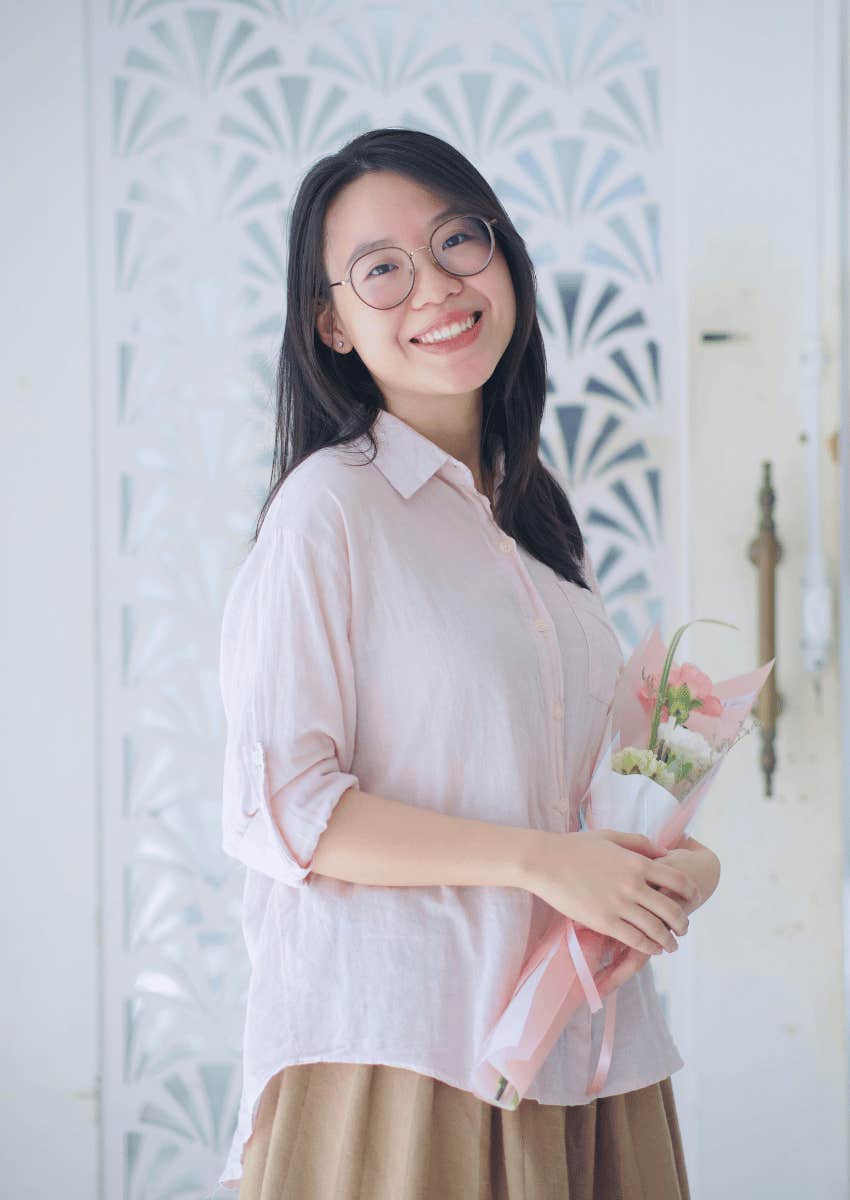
[
  {"x": 618, "y": 884},
  {"x": 702, "y": 866}
]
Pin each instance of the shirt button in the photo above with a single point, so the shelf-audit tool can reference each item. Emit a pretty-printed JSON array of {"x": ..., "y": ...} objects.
[
  {"x": 541, "y": 625},
  {"x": 506, "y": 545},
  {"x": 563, "y": 805},
  {"x": 558, "y": 711}
]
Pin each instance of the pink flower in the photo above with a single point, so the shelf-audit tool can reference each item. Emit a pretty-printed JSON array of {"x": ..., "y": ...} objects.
[
  {"x": 647, "y": 693},
  {"x": 699, "y": 685}
]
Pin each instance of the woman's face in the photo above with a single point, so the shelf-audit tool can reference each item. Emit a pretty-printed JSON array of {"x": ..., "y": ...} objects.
[{"x": 383, "y": 204}]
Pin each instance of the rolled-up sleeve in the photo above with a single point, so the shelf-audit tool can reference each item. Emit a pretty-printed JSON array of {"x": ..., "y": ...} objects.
[{"x": 287, "y": 685}]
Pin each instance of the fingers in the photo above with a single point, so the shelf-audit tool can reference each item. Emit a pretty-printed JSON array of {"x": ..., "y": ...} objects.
[
  {"x": 640, "y": 938},
  {"x": 669, "y": 910},
  {"x": 637, "y": 842},
  {"x": 658, "y": 917},
  {"x": 674, "y": 879}
]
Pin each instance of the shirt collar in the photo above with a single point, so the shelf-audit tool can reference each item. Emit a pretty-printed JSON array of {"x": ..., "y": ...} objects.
[{"x": 407, "y": 458}]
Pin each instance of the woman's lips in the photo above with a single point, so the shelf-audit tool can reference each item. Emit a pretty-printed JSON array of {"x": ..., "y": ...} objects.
[{"x": 456, "y": 343}]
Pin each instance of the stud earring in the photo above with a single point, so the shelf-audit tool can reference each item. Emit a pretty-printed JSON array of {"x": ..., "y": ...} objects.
[{"x": 340, "y": 345}]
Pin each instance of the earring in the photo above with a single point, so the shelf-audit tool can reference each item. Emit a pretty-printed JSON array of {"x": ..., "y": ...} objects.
[{"x": 340, "y": 344}]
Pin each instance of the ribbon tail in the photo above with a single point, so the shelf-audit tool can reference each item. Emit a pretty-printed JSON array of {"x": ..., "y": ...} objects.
[
  {"x": 582, "y": 969},
  {"x": 606, "y": 1050}
]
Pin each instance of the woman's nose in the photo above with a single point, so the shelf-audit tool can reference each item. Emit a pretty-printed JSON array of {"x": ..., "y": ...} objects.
[{"x": 430, "y": 282}]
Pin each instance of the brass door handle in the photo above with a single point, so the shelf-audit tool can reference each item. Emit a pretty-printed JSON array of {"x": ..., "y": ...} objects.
[{"x": 766, "y": 552}]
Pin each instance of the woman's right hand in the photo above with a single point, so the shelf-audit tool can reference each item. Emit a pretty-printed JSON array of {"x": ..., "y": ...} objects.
[{"x": 608, "y": 881}]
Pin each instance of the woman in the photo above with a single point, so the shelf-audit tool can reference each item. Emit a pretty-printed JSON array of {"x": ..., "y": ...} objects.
[{"x": 416, "y": 670}]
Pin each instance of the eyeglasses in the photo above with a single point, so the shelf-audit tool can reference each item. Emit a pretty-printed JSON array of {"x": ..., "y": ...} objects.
[{"x": 384, "y": 278}]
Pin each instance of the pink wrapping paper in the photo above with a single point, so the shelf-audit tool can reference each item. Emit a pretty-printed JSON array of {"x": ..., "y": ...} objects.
[{"x": 560, "y": 974}]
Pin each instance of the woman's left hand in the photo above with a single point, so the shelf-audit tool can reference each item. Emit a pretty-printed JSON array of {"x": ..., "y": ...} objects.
[{"x": 702, "y": 866}]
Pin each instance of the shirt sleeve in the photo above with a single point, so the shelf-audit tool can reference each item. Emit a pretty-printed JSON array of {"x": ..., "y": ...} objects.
[{"x": 287, "y": 684}]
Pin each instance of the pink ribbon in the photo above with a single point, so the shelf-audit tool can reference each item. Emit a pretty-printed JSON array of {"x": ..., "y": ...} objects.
[
  {"x": 606, "y": 1049},
  {"x": 594, "y": 1003}
]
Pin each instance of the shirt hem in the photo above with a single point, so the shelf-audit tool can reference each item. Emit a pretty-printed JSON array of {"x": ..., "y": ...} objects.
[{"x": 231, "y": 1181}]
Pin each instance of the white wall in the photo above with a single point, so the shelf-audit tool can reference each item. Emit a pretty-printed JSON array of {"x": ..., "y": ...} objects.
[
  {"x": 769, "y": 1012},
  {"x": 48, "y": 882}
]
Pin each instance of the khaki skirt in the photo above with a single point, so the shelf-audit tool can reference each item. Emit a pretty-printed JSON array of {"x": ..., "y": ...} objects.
[{"x": 355, "y": 1131}]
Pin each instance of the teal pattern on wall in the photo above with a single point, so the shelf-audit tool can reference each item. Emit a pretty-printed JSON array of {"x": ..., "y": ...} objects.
[{"x": 204, "y": 117}]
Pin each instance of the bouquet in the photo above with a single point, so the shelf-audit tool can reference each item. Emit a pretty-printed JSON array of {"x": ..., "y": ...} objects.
[{"x": 669, "y": 729}]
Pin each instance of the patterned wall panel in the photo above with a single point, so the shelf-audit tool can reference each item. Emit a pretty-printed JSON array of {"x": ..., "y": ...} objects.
[{"x": 204, "y": 118}]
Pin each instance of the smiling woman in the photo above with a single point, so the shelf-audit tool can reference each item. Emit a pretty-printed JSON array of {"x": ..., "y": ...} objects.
[
  {"x": 408, "y": 315},
  {"x": 414, "y": 690},
  {"x": 342, "y": 360}
]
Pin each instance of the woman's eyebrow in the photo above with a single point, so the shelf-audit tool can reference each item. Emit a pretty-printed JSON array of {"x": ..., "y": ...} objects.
[{"x": 364, "y": 246}]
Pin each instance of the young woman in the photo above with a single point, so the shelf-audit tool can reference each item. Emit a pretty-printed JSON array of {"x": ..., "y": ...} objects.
[{"x": 416, "y": 671}]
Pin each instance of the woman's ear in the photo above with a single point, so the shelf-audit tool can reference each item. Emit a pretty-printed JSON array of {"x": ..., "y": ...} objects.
[{"x": 330, "y": 333}]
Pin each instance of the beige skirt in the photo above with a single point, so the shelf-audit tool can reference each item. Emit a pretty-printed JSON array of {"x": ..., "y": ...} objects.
[{"x": 355, "y": 1131}]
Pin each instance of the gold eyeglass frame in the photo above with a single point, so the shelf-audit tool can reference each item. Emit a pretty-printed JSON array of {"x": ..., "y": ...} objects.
[{"x": 489, "y": 222}]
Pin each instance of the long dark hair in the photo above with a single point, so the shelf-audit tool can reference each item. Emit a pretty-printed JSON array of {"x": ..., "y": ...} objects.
[{"x": 327, "y": 399}]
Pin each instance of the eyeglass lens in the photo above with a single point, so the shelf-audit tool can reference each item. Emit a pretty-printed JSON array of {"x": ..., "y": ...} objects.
[{"x": 462, "y": 246}]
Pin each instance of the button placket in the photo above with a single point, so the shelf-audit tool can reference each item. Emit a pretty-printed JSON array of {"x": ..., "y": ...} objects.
[
  {"x": 551, "y": 667},
  {"x": 548, "y": 653},
  {"x": 562, "y": 804}
]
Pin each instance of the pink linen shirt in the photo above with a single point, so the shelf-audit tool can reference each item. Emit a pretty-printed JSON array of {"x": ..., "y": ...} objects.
[{"x": 384, "y": 633}]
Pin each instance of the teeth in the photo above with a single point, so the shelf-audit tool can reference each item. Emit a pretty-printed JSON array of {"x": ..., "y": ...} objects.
[{"x": 451, "y": 331}]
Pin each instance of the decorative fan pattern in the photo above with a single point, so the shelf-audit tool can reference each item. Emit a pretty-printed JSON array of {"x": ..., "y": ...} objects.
[{"x": 205, "y": 115}]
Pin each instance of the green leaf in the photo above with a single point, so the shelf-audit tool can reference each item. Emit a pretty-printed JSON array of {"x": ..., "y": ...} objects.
[{"x": 668, "y": 662}]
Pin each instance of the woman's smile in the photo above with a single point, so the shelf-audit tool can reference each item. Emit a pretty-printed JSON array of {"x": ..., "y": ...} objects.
[{"x": 465, "y": 336}]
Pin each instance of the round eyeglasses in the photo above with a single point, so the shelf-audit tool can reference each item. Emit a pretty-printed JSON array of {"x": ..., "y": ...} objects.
[{"x": 384, "y": 278}]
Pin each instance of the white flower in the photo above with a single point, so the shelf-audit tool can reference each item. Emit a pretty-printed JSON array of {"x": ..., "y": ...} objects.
[{"x": 687, "y": 745}]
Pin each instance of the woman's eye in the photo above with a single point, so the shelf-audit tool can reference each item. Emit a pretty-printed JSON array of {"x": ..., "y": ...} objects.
[
  {"x": 453, "y": 238},
  {"x": 378, "y": 267}
]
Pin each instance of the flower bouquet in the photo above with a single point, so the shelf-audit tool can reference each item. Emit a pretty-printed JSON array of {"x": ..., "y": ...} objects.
[{"x": 669, "y": 730}]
